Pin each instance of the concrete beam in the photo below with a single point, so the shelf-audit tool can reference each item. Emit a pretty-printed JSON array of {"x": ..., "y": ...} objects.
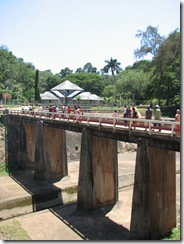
[
  {"x": 154, "y": 195},
  {"x": 98, "y": 172}
]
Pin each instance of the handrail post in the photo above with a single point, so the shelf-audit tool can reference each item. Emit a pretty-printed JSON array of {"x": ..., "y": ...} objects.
[
  {"x": 87, "y": 121},
  {"x": 149, "y": 129},
  {"x": 114, "y": 124},
  {"x": 130, "y": 124},
  {"x": 172, "y": 129}
]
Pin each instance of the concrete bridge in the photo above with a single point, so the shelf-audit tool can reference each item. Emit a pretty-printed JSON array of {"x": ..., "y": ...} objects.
[{"x": 38, "y": 141}]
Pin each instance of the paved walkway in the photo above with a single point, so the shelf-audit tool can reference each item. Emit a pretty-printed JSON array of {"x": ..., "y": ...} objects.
[{"x": 64, "y": 222}]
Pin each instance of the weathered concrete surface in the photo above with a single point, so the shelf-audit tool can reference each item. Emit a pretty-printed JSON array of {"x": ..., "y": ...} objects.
[
  {"x": 65, "y": 222},
  {"x": 14, "y": 200},
  {"x": 154, "y": 198},
  {"x": 50, "y": 152},
  {"x": 30, "y": 131},
  {"x": 98, "y": 175}
]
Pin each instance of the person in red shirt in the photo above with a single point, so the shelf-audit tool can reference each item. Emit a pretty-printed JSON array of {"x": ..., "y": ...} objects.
[{"x": 69, "y": 109}]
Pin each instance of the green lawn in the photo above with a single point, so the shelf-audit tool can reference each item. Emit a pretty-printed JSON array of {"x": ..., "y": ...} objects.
[
  {"x": 13, "y": 231},
  {"x": 3, "y": 169},
  {"x": 175, "y": 235}
]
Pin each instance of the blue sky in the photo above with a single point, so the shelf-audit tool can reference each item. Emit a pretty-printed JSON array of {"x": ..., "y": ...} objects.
[{"x": 54, "y": 34}]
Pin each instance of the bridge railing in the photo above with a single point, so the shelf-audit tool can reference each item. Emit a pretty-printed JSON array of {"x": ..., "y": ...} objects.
[{"x": 167, "y": 125}]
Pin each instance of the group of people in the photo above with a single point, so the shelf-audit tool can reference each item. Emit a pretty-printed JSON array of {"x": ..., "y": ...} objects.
[
  {"x": 157, "y": 116},
  {"x": 149, "y": 114},
  {"x": 67, "y": 110},
  {"x": 129, "y": 112}
]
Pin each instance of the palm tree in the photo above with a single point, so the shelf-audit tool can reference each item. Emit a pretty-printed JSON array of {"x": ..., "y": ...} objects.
[{"x": 113, "y": 66}]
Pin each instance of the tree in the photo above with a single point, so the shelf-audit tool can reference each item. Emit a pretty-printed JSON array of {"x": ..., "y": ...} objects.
[
  {"x": 166, "y": 78},
  {"x": 37, "y": 92},
  {"x": 150, "y": 42},
  {"x": 89, "y": 68},
  {"x": 65, "y": 72},
  {"x": 133, "y": 82},
  {"x": 114, "y": 67}
]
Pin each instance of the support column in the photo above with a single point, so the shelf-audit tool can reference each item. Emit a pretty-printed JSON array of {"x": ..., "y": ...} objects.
[
  {"x": 11, "y": 153},
  {"x": 154, "y": 195},
  {"x": 50, "y": 153},
  {"x": 30, "y": 131},
  {"x": 98, "y": 172}
]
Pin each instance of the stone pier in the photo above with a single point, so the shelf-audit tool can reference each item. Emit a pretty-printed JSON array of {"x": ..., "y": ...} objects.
[
  {"x": 98, "y": 172},
  {"x": 154, "y": 196},
  {"x": 50, "y": 152}
]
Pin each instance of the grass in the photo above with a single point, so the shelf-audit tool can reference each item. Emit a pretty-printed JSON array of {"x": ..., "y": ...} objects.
[
  {"x": 174, "y": 236},
  {"x": 3, "y": 169},
  {"x": 13, "y": 231}
]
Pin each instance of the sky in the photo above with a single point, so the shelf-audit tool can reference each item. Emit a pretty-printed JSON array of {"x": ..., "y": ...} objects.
[{"x": 55, "y": 34}]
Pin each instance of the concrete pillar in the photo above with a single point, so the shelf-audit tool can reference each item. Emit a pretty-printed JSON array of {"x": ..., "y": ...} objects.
[
  {"x": 154, "y": 195},
  {"x": 30, "y": 131},
  {"x": 50, "y": 152},
  {"x": 12, "y": 143},
  {"x": 22, "y": 151},
  {"x": 98, "y": 172},
  {"x": 26, "y": 145}
]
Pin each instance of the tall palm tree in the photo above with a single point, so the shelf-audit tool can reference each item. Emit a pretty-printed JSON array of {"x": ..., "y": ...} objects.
[{"x": 113, "y": 66}]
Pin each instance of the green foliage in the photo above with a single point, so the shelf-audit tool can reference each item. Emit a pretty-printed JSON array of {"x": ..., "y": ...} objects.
[
  {"x": 166, "y": 76},
  {"x": 37, "y": 90},
  {"x": 3, "y": 171},
  {"x": 150, "y": 42},
  {"x": 77, "y": 147},
  {"x": 65, "y": 72},
  {"x": 174, "y": 236},
  {"x": 133, "y": 82}
]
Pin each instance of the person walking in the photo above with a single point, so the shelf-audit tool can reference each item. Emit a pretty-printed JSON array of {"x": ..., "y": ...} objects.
[
  {"x": 125, "y": 113},
  {"x": 177, "y": 119},
  {"x": 157, "y": 115},
  {"x": 115, "y": 114},
  {"x": 148, "y": 115},
  {"x": 69, "y": 109},
  {"x": 134, "y": 115}
]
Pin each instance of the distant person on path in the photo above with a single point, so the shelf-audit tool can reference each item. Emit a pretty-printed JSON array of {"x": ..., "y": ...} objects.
[
  {"x": 115, "y": 114},
  {"x": 69, "y": 109},
  {"x": 134, "y": 115},
  {"x": 177, "y": 119},
  {"x": 157, "y": 114},
  {"x": 75, "y": 112},
  {"x": 125, "y": 113},
  {"x": 148, "y": 114}
]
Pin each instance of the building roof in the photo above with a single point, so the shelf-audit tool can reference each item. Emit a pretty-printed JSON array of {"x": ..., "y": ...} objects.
[
  {"x": 67, "y": 85},
  {"x": 88, "y": 96},
  {"x": 73, "y": 94},
  {"x": 48, "y": 96},
  {"x": 57, "y": 93}
]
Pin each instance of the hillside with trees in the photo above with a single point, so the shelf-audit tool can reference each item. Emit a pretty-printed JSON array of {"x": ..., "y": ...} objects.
[{"x": 147, "y": 81}]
